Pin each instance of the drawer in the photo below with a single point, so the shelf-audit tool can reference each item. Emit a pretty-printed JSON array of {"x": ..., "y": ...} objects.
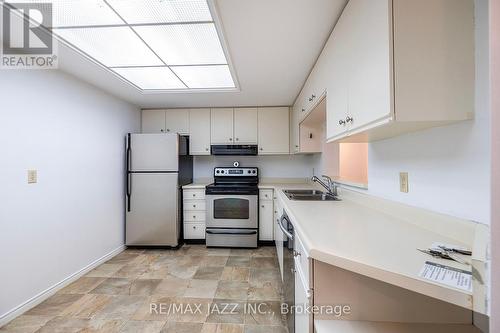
[
  {"x": 266, "y": 194},
  {"x": 301, "y": 259},
  {"x": 194, "y": 216},
  {"x": 194, "y": 205},
  {"x": 198, "y": 194},
  {"x": 194, "y": 230}
]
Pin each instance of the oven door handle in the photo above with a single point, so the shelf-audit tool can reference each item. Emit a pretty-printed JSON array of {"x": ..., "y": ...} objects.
[
  {"x": 236, "y": 232},
  {"x": 283, "y": 229}
]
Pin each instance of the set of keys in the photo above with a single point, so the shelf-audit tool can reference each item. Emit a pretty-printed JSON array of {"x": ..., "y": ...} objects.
[{"x": 447, "y": 252}]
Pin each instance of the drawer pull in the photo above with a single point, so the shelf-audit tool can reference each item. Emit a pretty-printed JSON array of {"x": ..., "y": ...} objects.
[
  {"x": 296, "y": 253},
  {"x": 194, "y": 206}
]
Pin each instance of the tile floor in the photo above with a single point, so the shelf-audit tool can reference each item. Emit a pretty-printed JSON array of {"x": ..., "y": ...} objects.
[{"x": 192, "y": 290}]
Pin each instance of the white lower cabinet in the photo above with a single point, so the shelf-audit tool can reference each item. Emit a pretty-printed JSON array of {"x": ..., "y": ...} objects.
[
  {"x": 266, "y": 215},
  {"x": 194, "y": 230},
  {"x": 302, "y": 300},
  {"x": 194, "y": 214},
  {"x": 278, "y": 234}
]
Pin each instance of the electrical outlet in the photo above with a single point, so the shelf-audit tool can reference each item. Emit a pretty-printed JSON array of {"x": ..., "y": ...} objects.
[
  {"x": 32, "y": 176},
  {"x": 403, "y": 182}
]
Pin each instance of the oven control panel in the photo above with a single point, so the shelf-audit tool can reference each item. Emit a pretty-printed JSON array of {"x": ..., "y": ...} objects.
[{"x": 236, "y": 172}]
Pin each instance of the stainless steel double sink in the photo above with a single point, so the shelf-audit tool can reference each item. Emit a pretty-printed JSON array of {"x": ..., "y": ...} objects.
[{"x": 309, "y": 195}]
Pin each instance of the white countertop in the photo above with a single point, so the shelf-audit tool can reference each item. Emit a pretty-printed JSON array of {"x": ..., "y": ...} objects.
[
  {"x": 375, "y": 237},
  {"x": 358, "y": 235}
]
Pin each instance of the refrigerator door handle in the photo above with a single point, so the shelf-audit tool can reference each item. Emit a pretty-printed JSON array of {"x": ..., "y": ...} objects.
[
  {"x": 129, "y": 190},
  {"x": 129, "y": 180}
]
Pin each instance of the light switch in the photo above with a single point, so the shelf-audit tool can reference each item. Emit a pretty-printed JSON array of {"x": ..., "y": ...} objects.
[
  {"x": 32, "y": 176},
  {"x": 403, "y": 182}
]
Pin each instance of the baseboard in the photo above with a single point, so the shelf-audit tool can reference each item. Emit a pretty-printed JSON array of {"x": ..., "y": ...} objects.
[{"x": 34, "y": 301}]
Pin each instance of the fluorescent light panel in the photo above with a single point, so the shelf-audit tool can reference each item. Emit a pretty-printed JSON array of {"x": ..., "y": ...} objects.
[
  {"x": 184, "y": 44},
  {"x": 140, "y": 39},
  {"x": 162, "y": 11},
  {"x": 205, "y": 77},
  {"x": 151, "y": 77},
  {"x": 111, "y": 46}
]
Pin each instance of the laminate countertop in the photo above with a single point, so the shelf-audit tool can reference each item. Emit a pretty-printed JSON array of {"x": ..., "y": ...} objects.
[{"x": 377, "y": 238}]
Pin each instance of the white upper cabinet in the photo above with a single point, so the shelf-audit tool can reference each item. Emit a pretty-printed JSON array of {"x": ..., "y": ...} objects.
[
  {"x": 153, "y": 121},
  {"x": 222, "y": 126},
  {"x": 165, "y": 121},
  {"x": 177, "y": 121},
  {"x": 395, "y": 66},
  {"x": 273, "y": 129},
  {"x": 199, "y": 127},
  {"x": 245, "y": 125}
]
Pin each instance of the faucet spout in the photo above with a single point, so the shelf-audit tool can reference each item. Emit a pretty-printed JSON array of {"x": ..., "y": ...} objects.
[{"x": 330, "y": 186}]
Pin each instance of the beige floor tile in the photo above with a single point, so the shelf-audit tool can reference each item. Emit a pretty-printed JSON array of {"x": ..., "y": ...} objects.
[
  {"x": 227, "y": 311},
  {"x": 264, "y": 251},
  {"x": 131, "y": 271},
  {"x": 201, "y": 289},
  {"x": 264, "y": 313},
  {"x": 197, "y": 250},
  {"x": 113, "y": 286},
  {"x": 25, "y": 324},
  {"x": 121, "y": 307},
  {"x": 179, "y": 327},
  {"x": 82, "y": 285},
  {"x": 54, "y": 305},
  {"x": 241, "y": 252},
  {"x": 171, "y": 286},
  {"x": 87, "y": 306},
  {"x": 264, "y": 262},
  {"x": 105, "y": 270},
  {"x": 155, "y": 271},
  {"x": 142, "y": 326},
  {"x": 69, "y": 325},
  {"x": 265, "y": 291},
  {"x": 229, "y": 328},
  {"x": 259, "y": 276},
  {"x": 182, "y": 271},
  {"x": 144, "y": 287},
  {"x": 208, "y": 273},
  {"x": 239, "y": 261},
  {"x": 264, "y": 329},
  {"x": 235, "y": 273},
  {"x": 237, "y": 290},
  {"x": 209, "y": 328},
  {"x": 157, "y": 308},
  {"x": 193, "y": 310},
  {"x": 214, "y": 261},
  {"x": 218, "y": 252},
  {"x": 123, "y": 258}
]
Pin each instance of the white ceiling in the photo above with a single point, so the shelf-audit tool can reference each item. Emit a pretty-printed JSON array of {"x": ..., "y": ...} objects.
[{"x": 273, "y": 45}]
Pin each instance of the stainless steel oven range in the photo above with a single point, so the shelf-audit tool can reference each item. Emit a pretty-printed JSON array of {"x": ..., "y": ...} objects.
[{"x": 232, "y": 208}]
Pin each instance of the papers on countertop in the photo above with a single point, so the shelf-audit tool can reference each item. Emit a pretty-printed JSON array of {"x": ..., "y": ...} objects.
[{"x": 447, "y": 275}]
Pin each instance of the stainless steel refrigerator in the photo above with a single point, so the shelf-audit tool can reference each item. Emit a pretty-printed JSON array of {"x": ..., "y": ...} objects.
[{"x": 158, "y": 165}]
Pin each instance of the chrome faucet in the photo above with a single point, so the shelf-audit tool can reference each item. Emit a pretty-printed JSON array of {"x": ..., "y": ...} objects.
[{"x": 330, "y": 186}]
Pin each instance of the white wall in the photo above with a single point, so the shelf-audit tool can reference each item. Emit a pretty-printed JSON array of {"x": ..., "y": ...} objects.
[
  {"x": 74, "y": 136},
  {"x": 449, "y": 167},
  {"x": 279, "y": 166}
]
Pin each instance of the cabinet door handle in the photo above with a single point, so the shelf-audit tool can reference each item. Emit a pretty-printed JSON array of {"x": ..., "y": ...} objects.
[
  {"x": 194, "y": 206},
  {"x": 168, "y": 129},
  {"x": 230, "y": 139},
  {"x": 206, "y": 149},
  {"x": 262, "y": 206},
  {"x": 312, "y": 97},
  {"x": 237, "y": 139},
  {"x": 341, "y": 122},
  {"x": 303, "y": 110},
  {"x": 349, "y": 119},
  {"x": 261, "y": 148},
  {"x": 162, "y": 130}
]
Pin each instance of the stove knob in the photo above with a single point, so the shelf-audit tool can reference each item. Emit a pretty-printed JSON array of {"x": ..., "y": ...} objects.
[
  {"x": 222, "y": 171},
  {"x": 218, "y": 171},
  {"x": 254, "y": 171},
  {"x": 249, "y": 171}
]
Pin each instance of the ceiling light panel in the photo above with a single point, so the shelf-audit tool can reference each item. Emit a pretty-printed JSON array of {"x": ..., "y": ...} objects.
[
  {"x": 184, "y": 44},
  {"x": 71, "y": 13},
  {"x": 111, "y": 46},
  {"x": 162, "y": 11},
  {"x": 151, "y": 77},
  {"x": 205, "y": 77}
]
